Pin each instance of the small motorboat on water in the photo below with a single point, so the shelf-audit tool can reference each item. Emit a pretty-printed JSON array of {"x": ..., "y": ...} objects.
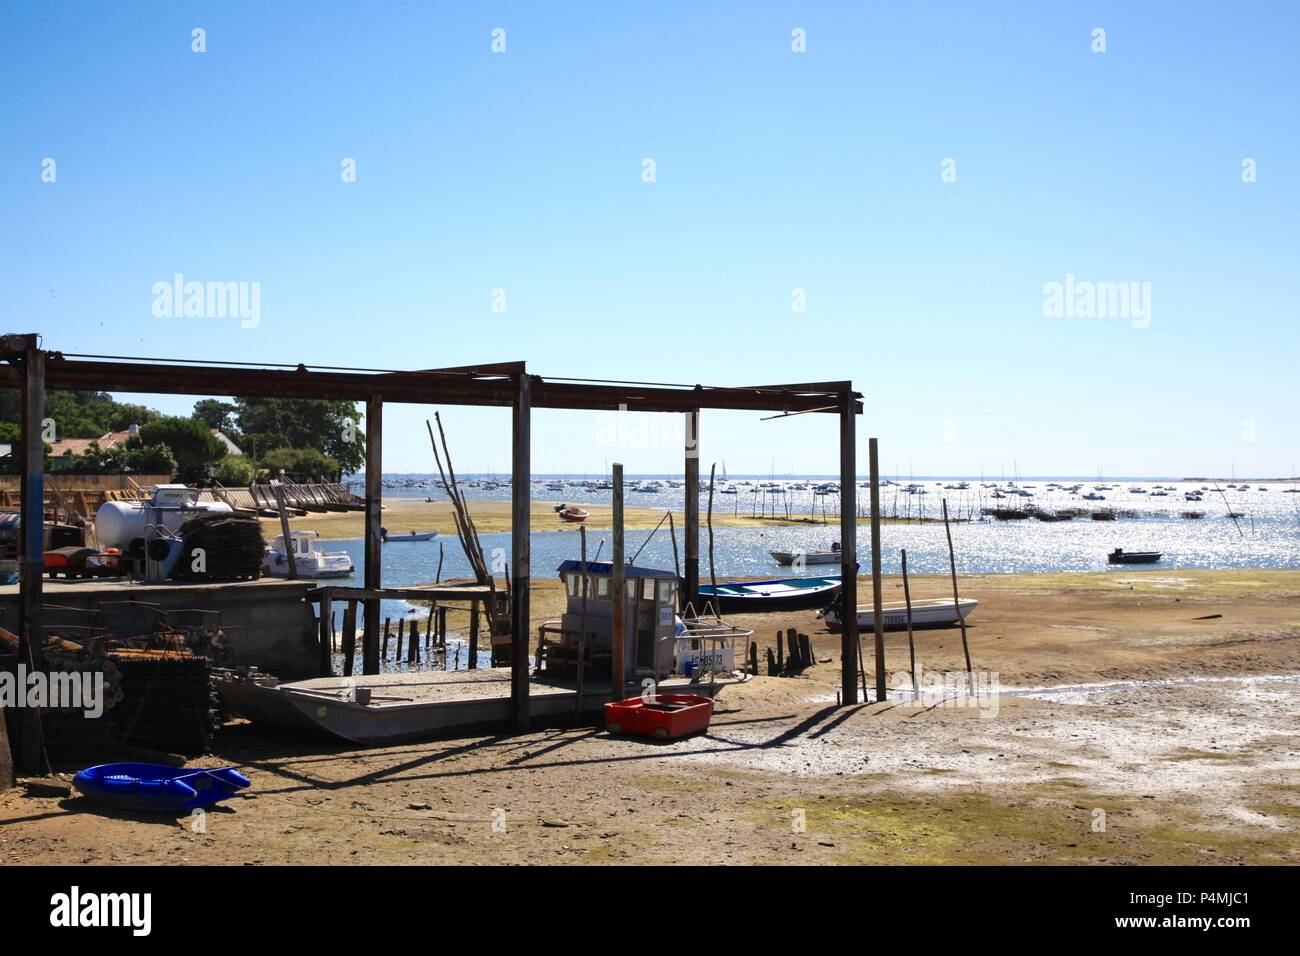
[
  {"x": 799, "y": 558},
  {"x": 390, "y": 538},
  {"x": 1120, "y": 556},
  {"x": 309, "y": 560},
  {"x": 926, "y": 614},
  {"x": 780, "y": 594},
  {"x": 572, "y": 513}
]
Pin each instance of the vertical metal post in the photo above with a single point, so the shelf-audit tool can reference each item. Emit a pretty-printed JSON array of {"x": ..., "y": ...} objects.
[
  {"x": 878, "y": 617},
  {"x": 374, "y": 536},
  {"x": 691, "y": 585},
  {"x": 31, "y": 543},
  {"x": 617, "y": 674},
  {"x": 520, "y": 502},
  {"x": 848, "y": 555}
]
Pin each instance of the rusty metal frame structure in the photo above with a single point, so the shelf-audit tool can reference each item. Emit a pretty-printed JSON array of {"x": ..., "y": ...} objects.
[{"x": 25, "y": 366}]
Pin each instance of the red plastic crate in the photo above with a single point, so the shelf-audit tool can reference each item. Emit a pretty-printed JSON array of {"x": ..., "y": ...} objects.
[{"x": 661, "y": 716}]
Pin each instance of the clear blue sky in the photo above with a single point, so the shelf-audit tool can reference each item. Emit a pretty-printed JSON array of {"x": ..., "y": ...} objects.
[{"x": 775, "y": 171}]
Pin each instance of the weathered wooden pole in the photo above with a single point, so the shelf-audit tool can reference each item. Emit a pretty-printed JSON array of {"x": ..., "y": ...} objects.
[
  {"x": 472, "y": 661},
  {"x": 6, "y": 757},
  {"x": 374, "y": 537},
  {"x": 848, "y": 557},
  {"x": 691, "y": 584},
  {"x": 956, "y": 601},
  {"x": 326, "y": 635},
  {"x": 877, "y": 609},
  {"x": 520, "y": 500},
  {"x": 278, "y": 490},
  {"x": 911, "y": 643},
  {"x": 349, "y": 637},
  {"x": 677, "y": 564},
  {"x": 617, "y": 679}
]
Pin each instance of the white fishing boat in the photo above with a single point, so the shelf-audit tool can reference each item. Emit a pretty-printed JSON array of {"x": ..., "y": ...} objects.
[
  {"x": 309, "y": 560},
  {"x": 939, "y": 612}
]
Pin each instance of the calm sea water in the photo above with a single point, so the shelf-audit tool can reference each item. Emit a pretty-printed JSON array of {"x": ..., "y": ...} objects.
[{"x": 1268, "y": 536}]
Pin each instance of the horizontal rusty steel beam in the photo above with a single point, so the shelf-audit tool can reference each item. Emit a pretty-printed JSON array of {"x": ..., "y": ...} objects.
[
  {"x": 638, "y": 398},
  {"x": 473, "y": 385}
]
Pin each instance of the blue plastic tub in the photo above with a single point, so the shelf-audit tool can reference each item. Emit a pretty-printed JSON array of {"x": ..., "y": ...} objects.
[{"x": 157, "y": 787}]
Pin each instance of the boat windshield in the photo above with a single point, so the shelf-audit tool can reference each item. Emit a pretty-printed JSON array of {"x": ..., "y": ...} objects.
[{"x": 597, "y": 590}]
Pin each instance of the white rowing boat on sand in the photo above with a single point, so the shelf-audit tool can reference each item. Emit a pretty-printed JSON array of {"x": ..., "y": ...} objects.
[
  {"x": 800, "y": 558},
  {"x": 390, "y": 538},
  {"x": 939, "y": 612}
]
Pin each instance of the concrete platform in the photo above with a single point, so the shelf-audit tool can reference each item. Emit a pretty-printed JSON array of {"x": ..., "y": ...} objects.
[{"x": 407, "y": 706}]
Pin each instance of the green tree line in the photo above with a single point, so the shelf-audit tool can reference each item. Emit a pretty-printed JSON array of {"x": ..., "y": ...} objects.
[{"x": 300, "y": 438}]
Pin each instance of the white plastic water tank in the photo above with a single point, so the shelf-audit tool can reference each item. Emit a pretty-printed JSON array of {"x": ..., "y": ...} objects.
[{"x": 118, "y": 522}]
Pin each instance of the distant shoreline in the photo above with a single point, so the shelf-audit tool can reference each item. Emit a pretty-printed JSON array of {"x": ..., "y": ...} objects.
[{"x": 862, "y": 477}]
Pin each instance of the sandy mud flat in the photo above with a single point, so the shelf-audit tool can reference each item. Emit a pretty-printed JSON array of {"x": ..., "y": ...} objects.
[{"x": 1175, "y": 739}]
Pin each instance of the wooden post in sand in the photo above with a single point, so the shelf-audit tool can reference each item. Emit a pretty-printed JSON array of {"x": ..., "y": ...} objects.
[
  {"x": 956, "y": 601},
  {"x": 911, "y": 644},
  {"x": 677, "y": 565},
  {"x": 349, "y": 636},
  {"x": 6, "y": 757},
  {"x": 284, "y": 530},
  {"x": 472, "y": 661},
  {"x": 326, "y": 659},
  {"x": 617, "y": 679},
  {"x": 877, "y": 610}
]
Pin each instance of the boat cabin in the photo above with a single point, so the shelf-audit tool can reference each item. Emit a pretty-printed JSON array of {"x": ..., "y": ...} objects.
[
  {"x": 303, "y": 542},
  {"x": 649, "y": 626}
]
